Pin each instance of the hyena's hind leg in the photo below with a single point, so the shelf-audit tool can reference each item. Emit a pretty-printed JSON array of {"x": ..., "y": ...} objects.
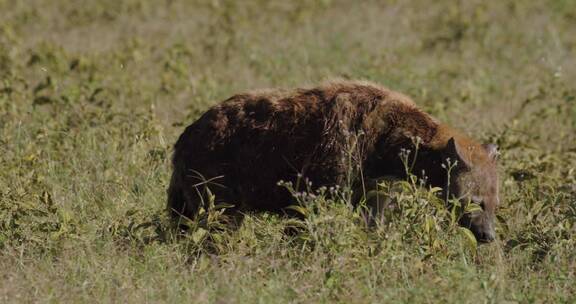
[
  {"x": 181, "y": 205},
  {"x": 186, "y": 192}
]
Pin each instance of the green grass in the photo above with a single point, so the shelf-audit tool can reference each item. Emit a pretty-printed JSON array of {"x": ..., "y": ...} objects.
[{"x": 94, "y": 93}]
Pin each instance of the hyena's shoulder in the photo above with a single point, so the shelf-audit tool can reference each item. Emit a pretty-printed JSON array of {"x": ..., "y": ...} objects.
[{"x": 365, "y": 90}]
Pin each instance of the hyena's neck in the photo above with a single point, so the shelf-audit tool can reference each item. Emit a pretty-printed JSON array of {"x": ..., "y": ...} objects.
[
  {"x": 400, "y": 125},
  {"x": 405, "y": 131}
]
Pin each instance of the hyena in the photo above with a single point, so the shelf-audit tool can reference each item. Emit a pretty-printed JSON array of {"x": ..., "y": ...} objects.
[{"x": 242, "y": 147}]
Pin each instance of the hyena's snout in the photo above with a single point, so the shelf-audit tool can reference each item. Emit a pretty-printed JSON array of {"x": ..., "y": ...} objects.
[{"x": 481, "y": 225}]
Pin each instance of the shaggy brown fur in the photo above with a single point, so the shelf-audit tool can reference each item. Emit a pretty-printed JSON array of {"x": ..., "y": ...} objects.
[{"x": 242, "y": 147}]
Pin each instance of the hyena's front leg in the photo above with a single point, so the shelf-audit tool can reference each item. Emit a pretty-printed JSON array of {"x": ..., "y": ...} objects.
[{"x": 376, "y": 199}]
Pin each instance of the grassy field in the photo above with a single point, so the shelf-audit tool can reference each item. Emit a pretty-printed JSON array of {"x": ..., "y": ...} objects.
[{"x": 93, "y": 94}]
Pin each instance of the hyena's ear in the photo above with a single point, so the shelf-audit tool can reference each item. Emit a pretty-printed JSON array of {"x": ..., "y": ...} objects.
[
  {"x": 455, "y": 152},
  {"x": 492, "y": 150}
]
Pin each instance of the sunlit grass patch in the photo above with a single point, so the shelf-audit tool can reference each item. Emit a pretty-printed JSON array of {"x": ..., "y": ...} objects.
[{"x": 93, "y": 94}]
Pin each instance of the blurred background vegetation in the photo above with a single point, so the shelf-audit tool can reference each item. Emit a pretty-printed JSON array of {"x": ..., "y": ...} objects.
[{"x": 94, "y": 93}]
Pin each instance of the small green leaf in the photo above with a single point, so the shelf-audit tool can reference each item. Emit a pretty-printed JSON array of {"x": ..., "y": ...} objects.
[
  {"x": 429, "y": 224},
  {"x": 199, "y": 235},
  {"x": 471, "y": 208},
  {"x": 223, "y": 206},
  {"x": 298, "y": 209},
  {"x": 375, "y": 193},
  {"x": 469, "y": 237},
  {"x": 211, "y": 198},
  {"x": 435, "y": 189}
]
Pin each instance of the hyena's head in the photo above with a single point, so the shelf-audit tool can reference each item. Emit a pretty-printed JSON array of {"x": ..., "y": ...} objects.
[{"x": 475, "y": 180}]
